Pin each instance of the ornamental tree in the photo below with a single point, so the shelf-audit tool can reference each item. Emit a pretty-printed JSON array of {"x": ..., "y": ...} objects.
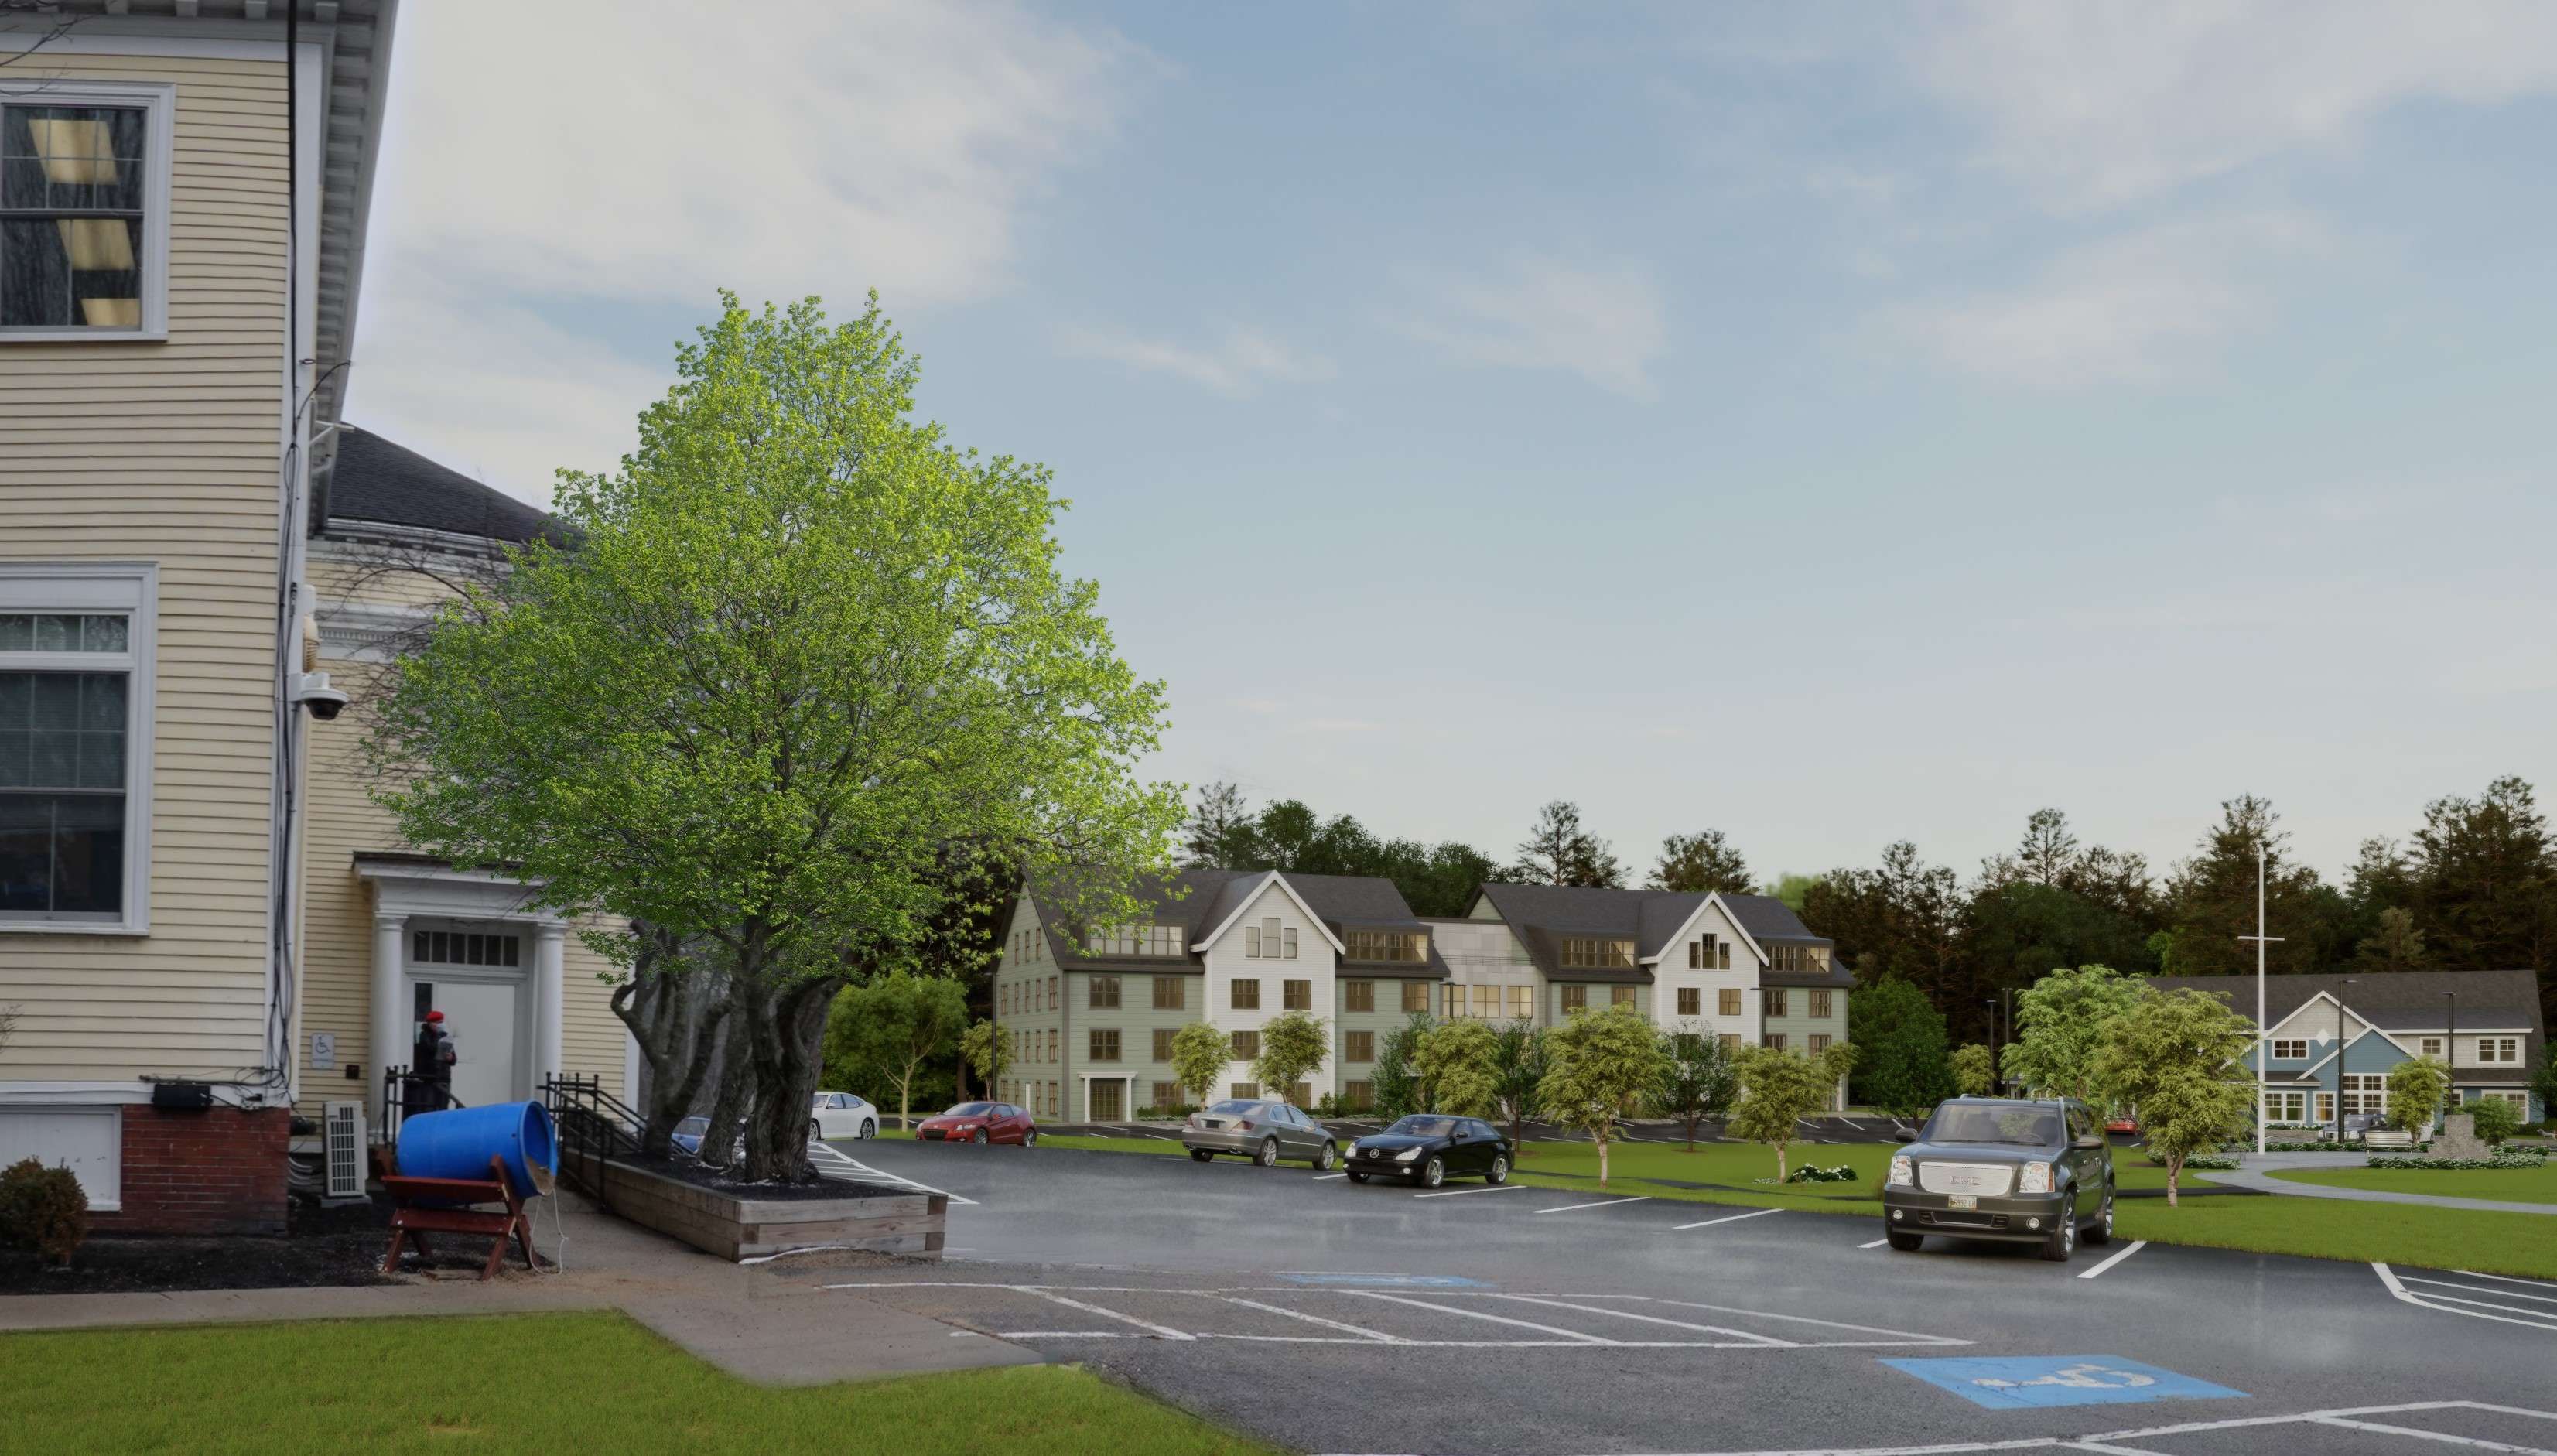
[
  {"x": 2416, "y": 1088},
  {"x": 1453, "y": 1063},
  {"x": 900, "y": 1023},
  {"x": 1398, "y": 1087},
  {"x": 1780, "y": 1088},
  {"x": 1975, "y": 1068},
  {"x": 1600, "y": 1066},
  {"x": 1700, "y": 1079},
  {"x": 1199, "y": 1055},
  {"x": 2175, "y": 1058},
  {"x": 792, "y": 651},
  {"x": 2063, "y": 1018},
  {"x": 1518, "y": 1069},
  {"x": 1293, "y": 1046},
  {"x": 988, "y": 1053}
]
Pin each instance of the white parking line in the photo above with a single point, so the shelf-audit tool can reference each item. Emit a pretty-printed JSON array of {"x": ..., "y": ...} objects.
[
  {"x": 1650, "y": 1320},
  {"x": 2383, "y": 1428},
  {"x": 2134, "y": 1246},
  {"x": 1488, "y": 1188},
  {"x": 2510, "y": 1314},
  {"x": 1603, "y": 1203},
  {"x": 1327, "y": 1177},
  {"x": 1498, "y": 1319},
  {"x": 1162, "y": 1332},
  {"x": 1732, "y": 1219},
  {"x": 1377, "y": 1336},
  {"x": 1876, "y": 1244},
  {"x": 885, "y": 1175},
  {"x": 2482, "y": 1289}
]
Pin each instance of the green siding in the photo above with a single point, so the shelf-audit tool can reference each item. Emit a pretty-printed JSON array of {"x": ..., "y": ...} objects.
[
  {"x": 1136, "y": 1020},
  {"x": 1797, "y": 1024},
  {"x": 1388, "y": 1015},
  {"x": 1601, "y": 994}
]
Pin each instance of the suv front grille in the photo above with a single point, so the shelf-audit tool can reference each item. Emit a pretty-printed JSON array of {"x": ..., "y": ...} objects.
[{"x": 1988, "y": 1180}]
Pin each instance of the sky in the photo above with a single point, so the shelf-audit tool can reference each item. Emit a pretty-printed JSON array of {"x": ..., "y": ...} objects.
[{"x": 1829, "y": 424}]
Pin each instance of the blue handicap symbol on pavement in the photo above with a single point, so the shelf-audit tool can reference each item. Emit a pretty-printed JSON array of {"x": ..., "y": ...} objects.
[
  {"x": 2031, "y": 1382},
  {"x": 1398, "y": 1282}
]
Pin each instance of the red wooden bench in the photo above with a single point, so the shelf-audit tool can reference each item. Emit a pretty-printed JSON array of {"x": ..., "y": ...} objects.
[{"x": 423, "y": 1206}]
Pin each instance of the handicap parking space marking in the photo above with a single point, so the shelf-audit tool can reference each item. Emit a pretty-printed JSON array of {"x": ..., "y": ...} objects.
[
  {"x": 2497, "y": 1297},
  {"x": 1728, "y": 1219},
  {"x": 1601, "y": 1203},
  {"x": 882, "y": 1174},
  {"x": 1486, "y": 1188},
  {"x": 2039, "y": 1382},
  {"x": 2134, "y": 1246}
]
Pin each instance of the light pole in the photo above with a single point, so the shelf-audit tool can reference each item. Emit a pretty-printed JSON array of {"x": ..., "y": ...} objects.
[
  {"x": 2262, "y": 940},
  {"x": 2340, "y": 1057},
  {"x": 2449, "y": 1053}
]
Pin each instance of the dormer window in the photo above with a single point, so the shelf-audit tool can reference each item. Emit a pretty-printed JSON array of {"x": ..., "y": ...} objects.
[
  {"x": 1595, "y": 953},
  {"x": 1810, "y": 960},
  {"x": 1134, "y": 940},
  {"x": 1411, "y": 947}
]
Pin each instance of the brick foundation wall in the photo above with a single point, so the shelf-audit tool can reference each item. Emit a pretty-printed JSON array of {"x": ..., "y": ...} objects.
[{"x": 217, "y": 1171}]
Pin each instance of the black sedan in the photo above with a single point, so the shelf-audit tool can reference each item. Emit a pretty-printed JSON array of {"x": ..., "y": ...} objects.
[{"x": 1428, "y": 1149}]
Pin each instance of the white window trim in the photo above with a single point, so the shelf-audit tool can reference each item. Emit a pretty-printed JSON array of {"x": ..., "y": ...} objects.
[
  {"x": 159, "y": 102},
  {"x": 2300, "y": 1055},
  {"x": 127, "y": 587}
]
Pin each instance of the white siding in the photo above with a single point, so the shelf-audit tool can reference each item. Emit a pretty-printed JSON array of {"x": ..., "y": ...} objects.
[
  {"x": 1671, "y": 973},
  {"x": 1315, "y": 961}
]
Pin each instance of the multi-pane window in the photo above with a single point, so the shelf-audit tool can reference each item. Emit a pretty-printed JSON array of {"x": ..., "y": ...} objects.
[
  {"x": 1134, "y": 940},
  {"x": 2365, "y": 1092},
  {"x": 1171, "y": 993},
  {"x": 1726, "y": 1001},
  {"x": 1357, "y": 1046},
  {"x": 1415, "y": 996},
  {"x": 2285, "y": 1106},
  {"x": 1620, "y": 996},
  {"x": 1794, "y": 956},
  {"x": 1103, "y": 1046},
  {"x": 2286, "y": 1049},
  {"x": 2430, "y": 1046},
  {"x": 1296, "y": 995},
  {"x": 74, "y": 204},
  {"x": 1487, "y": 1003},
  {"x": 465, "y": 948},
  {"x": 1819, "y": 1042},
  {"x": 1101, "y": 993},
  {"x": 1776, "y": 1040},
  {"x": 1164, "y": 1044},
  {"x": 1358, "y": 995},
  {"x": 1574, "y": 997},
  {"x": 1244, "y": 995},
  {"x": 1269, "y": 941},
  {"x": 2499, "y": 1049},
  {"x": 1052, "y": 1035},
  {"x": 1387, "y": 945},
  {"x": 1777, "y": 1001},
  {"x": 1731, "y": 1040},
  {"x": 1521, "y": 1002},
  {"x": 66, "y": 738},
  {"x": 1819, "y": 1005},
  {"x": 1247, "y": 1091},
  {"x": 1358, "y": 1096},
  {"x": 1708, "y": 954},
  {"x": 1582, "y": 952},
  {"x": 1167, "y": 1093},
  {"x": 1245, "y": 1045},
  {"x": 1690, "y": 1000},
  {"x": 1051, "y": 992}
]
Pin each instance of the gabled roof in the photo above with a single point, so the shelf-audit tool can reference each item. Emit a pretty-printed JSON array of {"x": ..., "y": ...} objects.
[
  {"x": 2400, "y": 1001},
  {"x": 1204, "y": 902},
  {"x": 1542, "y": 914},
  {"x": 1236, "y": 900},
  {"x": 379, "y": 484}
]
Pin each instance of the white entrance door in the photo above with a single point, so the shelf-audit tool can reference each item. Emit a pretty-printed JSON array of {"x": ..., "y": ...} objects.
[{"x": 481, "y": 1020}]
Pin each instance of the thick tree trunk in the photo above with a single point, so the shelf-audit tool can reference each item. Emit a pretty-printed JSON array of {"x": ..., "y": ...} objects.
[
  {"x": 738, "y": 1078},
  {"x": 1602, "y": 1161},
  {"x": 789, "y": 1052},
  {"x": 674, "y": 1009}
]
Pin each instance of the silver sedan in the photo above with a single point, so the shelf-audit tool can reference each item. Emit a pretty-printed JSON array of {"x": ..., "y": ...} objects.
[{"x": 1262, "y": 1130}]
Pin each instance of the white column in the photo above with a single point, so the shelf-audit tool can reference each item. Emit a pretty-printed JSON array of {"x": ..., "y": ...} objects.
[
  {"x": 392, "y": 1044},
  {"x": 550, "y": 958}
]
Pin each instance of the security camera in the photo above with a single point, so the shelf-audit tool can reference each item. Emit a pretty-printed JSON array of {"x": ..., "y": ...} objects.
[{"x": 325, "y": 701}]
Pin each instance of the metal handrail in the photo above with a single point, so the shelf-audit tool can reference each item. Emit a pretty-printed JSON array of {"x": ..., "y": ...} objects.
[{"x": 396, "y": 1084}]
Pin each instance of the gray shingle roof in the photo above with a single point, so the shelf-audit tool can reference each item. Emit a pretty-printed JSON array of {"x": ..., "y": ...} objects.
[
  {"x": 1542, "y": 914},
  {"x": 1342, "y": 901},
  {"x": 377, "y": 482},
  {"x": 2403, "y": 1003}
]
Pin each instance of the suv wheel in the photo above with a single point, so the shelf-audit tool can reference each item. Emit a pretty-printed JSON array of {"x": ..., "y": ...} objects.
[
  {"x": 1268, "y": 1156},
  {"x": 1434, "y": 1172},
  {"x": 1905, "y": 1243},
  {"x": 2063, "y": 1240},
  {"x": 2101, "y": 1232}
]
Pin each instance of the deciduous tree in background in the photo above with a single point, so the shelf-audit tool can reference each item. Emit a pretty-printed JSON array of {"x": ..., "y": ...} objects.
[
  {"x": 1455, "y": 1064},
  {"x": 1901, "y": 1064},
  {"x": 1293, "y": 1046},
  {"x": 1699, "y": 1079},
  {"x": 1694, "y": 863},
  {"x": 1398, "y": 1087},
  {"x": 2065, "y": 1019},
  {"x": 1974, "y": 1068},
  {"x": 1518, "y": 1070},
  {"x": 1558, "y": 850},
  {"x": 898, "y": 1024},
  {"x": 1199, "y": 1055},
  {"x": 1600, "y": 1067},
  {"x": 2174, "y": 1057},
  {"x": 2416, "y": 1087},
  {"x": 1779, "y": 1087},
  {"x": 988, "y": 1053},
  {"x": 800, "y": 648}
]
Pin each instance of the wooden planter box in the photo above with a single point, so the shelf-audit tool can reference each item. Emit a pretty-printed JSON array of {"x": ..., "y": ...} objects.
[{"x": 738, "y": 1229}]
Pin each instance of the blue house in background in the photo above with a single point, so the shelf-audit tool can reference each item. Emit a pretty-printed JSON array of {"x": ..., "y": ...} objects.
[{"x": 2330, "y": 1041}]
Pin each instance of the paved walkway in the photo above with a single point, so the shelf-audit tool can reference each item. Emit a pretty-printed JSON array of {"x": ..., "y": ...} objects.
[
  {"x": 2256, "y": 1171},
  {"x": 749, "y": 1321}
]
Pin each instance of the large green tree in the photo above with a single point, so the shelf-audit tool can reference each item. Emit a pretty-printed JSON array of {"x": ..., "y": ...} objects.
[
  {"x": 2485, "y": 878},
  {"x": 2175, "y": 1058},
  {"x": 1397, "y": 1085},
  {"x": 2210, "y": 901},
  {"x": 1975, "y": 1068},
  {"x": 2416, "y": 1087},
  {"x": 2062, "y": 1021},
  {"x": 1699, "y": 1077},
  {"x": 1455, "y": 1063},
  {"x": 1902, "y": 1065},
  {"x": 1519, "y": 1065},
  {"x": 1601, "y": 1066},
  {"x": 798, "y": 648},
  {"x": 1696, "y": 862},
  {"x": 1902, "y": 918},
  {"x": 1293, "y": 1046},
  {"x": 899, "y": 1025},
  {"x": 1558, "y": 850},
  {"x": 1200, "y": 1053}
]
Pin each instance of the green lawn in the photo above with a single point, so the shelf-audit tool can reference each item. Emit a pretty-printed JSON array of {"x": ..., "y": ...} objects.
[
  {"x": 1735, "y": 1167},
  {"x": 2511, "y": 1185},
  {"x": 534, "y": 1384},
  {"x": 2383, "y": 1233}
]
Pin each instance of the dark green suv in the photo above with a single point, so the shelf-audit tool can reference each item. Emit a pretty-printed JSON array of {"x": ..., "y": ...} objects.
[{"x": 1986, "y": 1167}]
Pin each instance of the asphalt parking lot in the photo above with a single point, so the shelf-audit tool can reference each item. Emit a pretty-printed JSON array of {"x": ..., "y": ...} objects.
[{"x": 1336, "y": 1318}]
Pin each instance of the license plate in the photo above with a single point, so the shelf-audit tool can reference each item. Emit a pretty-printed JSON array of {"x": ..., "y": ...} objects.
[
  {"x": 1211, "y": 1122},
  {"x": 1961, "y": 1200}
]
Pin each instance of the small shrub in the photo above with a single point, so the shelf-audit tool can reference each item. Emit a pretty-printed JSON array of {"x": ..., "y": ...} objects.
[
  {"x": 2495, "y": 1118},
  {"x": 43, "y": 1209},
  {"x": 2507, "y": 1158},
  {"x": 2205, "y": 1162},
  {"x": 1808, "y": 1173}
]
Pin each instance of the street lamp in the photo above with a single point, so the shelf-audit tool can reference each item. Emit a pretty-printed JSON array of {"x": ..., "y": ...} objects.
[
  {"x": 2262, "y": 940},
  {"x": 2340, "y": 1045},
  {"x": 2450, "y": 1052}
]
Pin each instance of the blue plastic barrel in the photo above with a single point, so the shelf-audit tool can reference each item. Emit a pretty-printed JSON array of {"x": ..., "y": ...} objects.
[{"x": 459, "y": 1142}]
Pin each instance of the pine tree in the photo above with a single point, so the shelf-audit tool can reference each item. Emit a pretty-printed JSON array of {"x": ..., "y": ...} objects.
[{"x": 1694, "y": 863}]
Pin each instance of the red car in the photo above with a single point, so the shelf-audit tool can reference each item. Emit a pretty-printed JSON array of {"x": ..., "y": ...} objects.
[{"x": 980, "y": 1122}]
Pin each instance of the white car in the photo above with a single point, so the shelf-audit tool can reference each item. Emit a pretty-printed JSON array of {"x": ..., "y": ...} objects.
[{"x": 842, "y": 1114}]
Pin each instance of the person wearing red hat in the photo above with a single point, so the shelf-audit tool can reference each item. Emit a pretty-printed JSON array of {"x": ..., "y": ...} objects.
[{"x": 430, "y": 1069}]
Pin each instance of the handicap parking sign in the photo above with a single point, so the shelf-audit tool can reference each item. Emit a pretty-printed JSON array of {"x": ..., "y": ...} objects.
[{"x": 2034, "y": 1383}]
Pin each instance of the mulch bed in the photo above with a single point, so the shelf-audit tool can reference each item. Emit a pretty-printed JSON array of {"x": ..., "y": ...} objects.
[
  {"x": 821, "y": 1186},
  {"x": 323, "y": 1248}
]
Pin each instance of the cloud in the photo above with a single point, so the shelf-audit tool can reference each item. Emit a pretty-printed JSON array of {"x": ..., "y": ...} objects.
[
  {"x": 1604, "y": 322},
  {"x": 1235, "y": 366},
  {"x": 2099, "y": 104},
  {"x": 2132, "y": 309}
]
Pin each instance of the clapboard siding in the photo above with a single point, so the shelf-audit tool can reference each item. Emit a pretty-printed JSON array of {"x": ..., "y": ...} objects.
[{"x": 167, "y": 451}]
